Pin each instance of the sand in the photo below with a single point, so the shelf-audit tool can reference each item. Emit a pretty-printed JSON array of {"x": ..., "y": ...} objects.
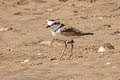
[{"x": 23, "y": 56}]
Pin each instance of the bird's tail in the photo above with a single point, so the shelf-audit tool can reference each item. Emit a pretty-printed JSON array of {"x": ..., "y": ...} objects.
[{"x": 84, "y": 33}]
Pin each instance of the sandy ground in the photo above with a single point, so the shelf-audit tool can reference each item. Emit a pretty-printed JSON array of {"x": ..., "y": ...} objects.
[{"x": 24, "y": 57}]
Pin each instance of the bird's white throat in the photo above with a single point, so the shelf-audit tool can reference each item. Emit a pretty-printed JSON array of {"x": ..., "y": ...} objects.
[{"x": 58, "y": 32}]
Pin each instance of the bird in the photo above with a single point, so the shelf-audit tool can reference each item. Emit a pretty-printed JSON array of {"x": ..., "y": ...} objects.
[{"x": 64, "y": 33}]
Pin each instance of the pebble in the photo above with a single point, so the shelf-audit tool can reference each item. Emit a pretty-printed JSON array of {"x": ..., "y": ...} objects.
[
  {"x": 46, "y": 42},
  {"x": 116, "y": 33},
  {"x": 39, "y": 54},
  {"x": 108, "y": 63},
  {"x": 5, "y": 29},
  {"x": 105, "y": 47},
  {"x": 100, "y": 18},
  {"x": 49, "y": 9},
  {"x": 72, "y": 4},
  {"x": 107, "y": 25},
  {"x": 53, "y": 58},
  {"x": 101, "y": 50},
  {"x": 25, "y": 61},
  {"x": 108, "y": 46}
]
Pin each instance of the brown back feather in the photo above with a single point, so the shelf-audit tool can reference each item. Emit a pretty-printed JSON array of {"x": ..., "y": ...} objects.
[{"x": 70, "y": 31}]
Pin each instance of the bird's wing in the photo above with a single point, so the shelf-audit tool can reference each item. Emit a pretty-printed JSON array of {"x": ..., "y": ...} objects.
[{"x": 70, "y": 31}]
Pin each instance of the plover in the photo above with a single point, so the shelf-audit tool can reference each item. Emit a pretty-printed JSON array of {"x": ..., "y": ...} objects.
[{"x": 64, "y": 33}]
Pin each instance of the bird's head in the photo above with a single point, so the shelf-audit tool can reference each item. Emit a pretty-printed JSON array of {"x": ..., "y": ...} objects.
[{"x": 50, "y": 23}]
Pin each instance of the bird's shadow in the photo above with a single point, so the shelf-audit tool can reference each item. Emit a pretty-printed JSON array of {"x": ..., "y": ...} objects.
[{"x": 86, "y": 33}]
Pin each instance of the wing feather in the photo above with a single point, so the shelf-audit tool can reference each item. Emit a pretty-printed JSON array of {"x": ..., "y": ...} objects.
[{"x": 70, "y": 31}]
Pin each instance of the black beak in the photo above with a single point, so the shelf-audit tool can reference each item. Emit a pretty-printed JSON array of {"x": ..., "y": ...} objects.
[{"x": 47, "y": 26}]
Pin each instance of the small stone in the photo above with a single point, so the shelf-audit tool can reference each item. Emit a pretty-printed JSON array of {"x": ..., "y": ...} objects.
[
  {"x": 75, "y": 11},
  {"x": 5, "y": 29},
  {"x": 105, "y": 47},
  {"x": 10, "y": 49},
  {"x": 84, "y": 17},
  {"x": 39, "y": 54},
  {"x": 101, "y": 50},
  {"x": 107, "y": 25},
  {"x": 100, "y": 18},
  {"x": 108, "y": 63},
  {"x": 25, "y": 61},
  {"x": 53, "y": 58},
  {"x": 108, "y": 46},
  {"x": 116, "y": 33},
  {"x": 17, "y": 13},
  {"x": 71, "y": 4},
  {"x": 46, "y": 42},
  {"x": 49, "y": 9}
]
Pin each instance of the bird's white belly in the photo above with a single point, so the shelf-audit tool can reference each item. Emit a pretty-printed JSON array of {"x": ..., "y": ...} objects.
[{"x": 56, "y": 33}]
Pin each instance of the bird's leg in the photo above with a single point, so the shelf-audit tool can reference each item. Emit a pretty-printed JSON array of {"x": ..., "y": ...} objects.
[
  {"x": 70, "y": 41},
  {"x": 71, "y": 50},
  {"x": 63, "y": 50}
]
